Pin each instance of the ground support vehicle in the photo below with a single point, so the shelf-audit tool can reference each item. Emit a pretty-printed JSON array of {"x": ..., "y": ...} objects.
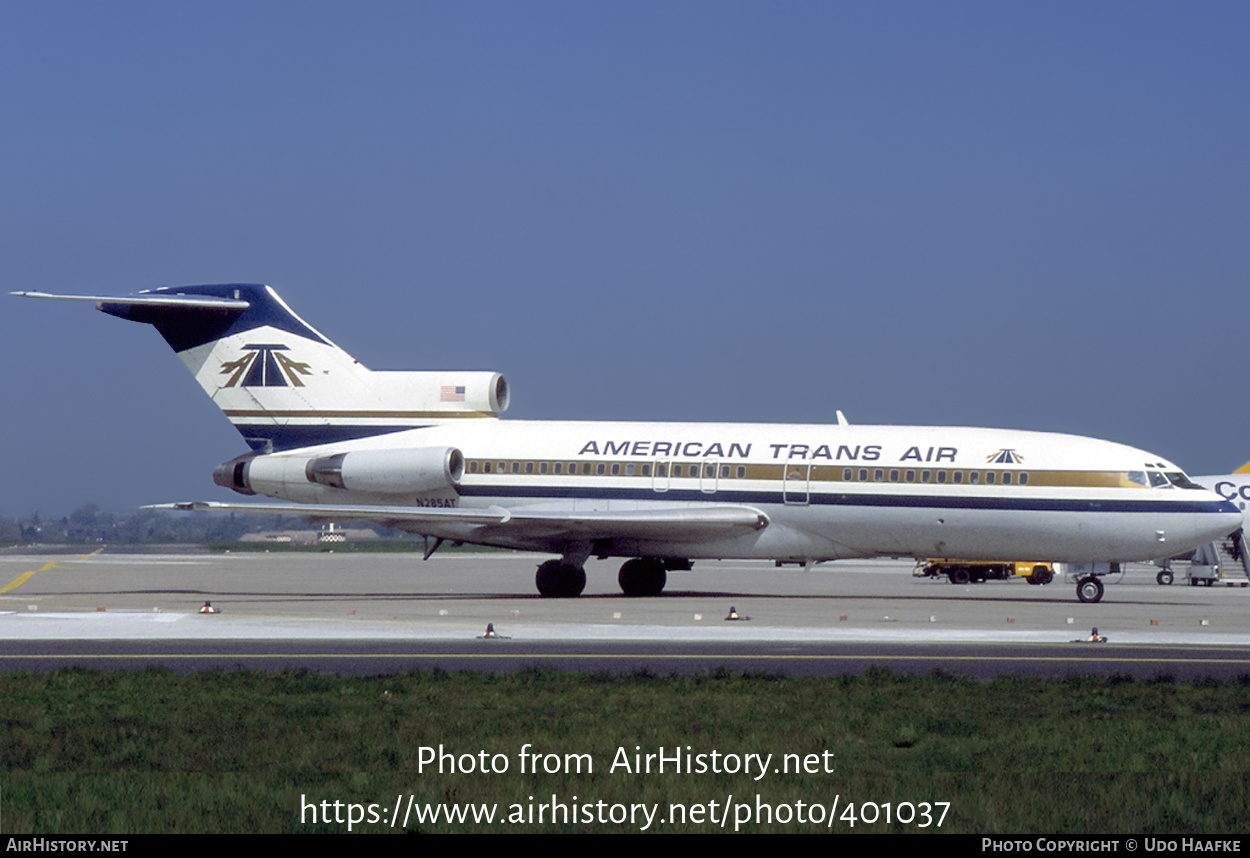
[{"x": 976, "y": 572}]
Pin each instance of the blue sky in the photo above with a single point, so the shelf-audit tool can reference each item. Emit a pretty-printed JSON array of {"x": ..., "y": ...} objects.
[{"x": 1027, "y": 215}]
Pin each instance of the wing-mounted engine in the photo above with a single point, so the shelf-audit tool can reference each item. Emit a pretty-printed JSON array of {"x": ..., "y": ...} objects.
[{"x": 389, "y": 473}]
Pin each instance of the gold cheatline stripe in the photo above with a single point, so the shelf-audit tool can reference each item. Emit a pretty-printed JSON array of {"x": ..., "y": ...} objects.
[
  {"x": 421, "y": 415},
  {"x": 26, "y": 576},
  {"x": 819, "y": 473}
]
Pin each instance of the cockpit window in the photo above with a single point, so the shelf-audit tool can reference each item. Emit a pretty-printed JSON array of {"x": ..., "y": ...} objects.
[
  {"x": 1158, "y": 481},
  {"x": 1178, "y": 479},
  {"x": 1138, "y": 477}
]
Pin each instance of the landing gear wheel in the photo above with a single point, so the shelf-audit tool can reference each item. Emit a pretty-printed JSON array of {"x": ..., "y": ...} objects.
[
  {"x": 1041, "y": 575},
  {"x": 1164, "y": 577},
  {"x": 559, "y": 580},
  {"x": 959, "y": 575},
  {"x": 642, "y": 577},
  {"x": 1089, "y": 590}
]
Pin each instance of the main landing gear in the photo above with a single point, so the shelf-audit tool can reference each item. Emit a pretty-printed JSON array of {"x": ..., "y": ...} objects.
[
  {"x": 642, "y": 576},
  {"x": 560, "y": 579}
]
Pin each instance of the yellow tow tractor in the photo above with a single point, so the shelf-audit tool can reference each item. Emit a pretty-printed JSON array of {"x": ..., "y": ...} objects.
[{"x": 977, "y": 571}]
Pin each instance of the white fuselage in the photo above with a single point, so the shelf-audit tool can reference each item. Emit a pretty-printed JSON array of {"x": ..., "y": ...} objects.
[{"x": 828, "y": 491}]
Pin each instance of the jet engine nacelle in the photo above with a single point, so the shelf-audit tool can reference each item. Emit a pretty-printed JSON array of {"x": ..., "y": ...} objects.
[
  {"x": 418, "y": 470},
  {"x": 389, "y": 472}
]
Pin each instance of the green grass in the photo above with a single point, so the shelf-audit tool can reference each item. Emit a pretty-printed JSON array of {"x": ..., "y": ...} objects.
[{"x": 88, "y": 752}]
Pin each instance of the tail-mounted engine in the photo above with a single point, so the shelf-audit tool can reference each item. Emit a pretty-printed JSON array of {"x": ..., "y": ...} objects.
[{"x": 416, "y": 471}]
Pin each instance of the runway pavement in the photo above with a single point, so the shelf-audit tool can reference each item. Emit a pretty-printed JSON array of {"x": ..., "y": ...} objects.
[{"x": 374, "y": 613}]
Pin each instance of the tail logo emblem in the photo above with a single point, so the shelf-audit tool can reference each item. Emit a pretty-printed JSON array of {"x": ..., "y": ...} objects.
[
  {"x": 1005, "y": 457},
  {"x": 264, "y": 365}
]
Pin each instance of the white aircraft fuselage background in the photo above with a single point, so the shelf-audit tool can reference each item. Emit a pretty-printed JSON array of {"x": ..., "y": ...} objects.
[{"x": 827, "y": 492}]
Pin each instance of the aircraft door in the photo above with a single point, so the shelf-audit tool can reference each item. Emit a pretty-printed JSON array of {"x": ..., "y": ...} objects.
[
  {"x": 660, "y": 470},
  {"x": 709, "y": 475},
  {"x": 796, "y": 481}
]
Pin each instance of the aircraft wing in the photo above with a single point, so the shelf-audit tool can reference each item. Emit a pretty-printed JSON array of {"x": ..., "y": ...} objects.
[{"x": 684, "y": 523}]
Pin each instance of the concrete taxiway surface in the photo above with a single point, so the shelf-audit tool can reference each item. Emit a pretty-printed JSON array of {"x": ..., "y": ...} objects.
[{"x": 382, "y": 612}]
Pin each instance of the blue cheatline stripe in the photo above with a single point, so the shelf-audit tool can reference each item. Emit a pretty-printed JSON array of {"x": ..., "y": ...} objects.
[{"x": 847, "y": 500}]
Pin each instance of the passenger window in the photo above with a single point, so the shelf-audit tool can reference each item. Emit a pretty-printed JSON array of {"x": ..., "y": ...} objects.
[
  {"x": 894, "y": 475},
  {"x": 1024, "y": 479},
  {"x": 1006, "y": 478},
  {"x": 941, "y": 475},
  {"x": 847, "y": 475},
  {"x": 878, "y": 475},
  {"x": 989, "y": 478},
  {"x": 529, "y": 467},
  {"x": 909, "y": 477}
]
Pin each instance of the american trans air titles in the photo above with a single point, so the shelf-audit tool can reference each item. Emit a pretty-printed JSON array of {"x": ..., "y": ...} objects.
[
  {"x": 339, "y": 441},
  {"x": 738, "y": 450}
]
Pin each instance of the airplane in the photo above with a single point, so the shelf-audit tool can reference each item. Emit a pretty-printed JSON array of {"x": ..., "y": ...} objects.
[
  {"x": 1234, "y": 487},
  {"x": 428, "y": 453}
]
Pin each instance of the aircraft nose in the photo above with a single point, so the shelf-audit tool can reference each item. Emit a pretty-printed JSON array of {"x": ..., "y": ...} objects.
[{"x": 1222, "y": 520}]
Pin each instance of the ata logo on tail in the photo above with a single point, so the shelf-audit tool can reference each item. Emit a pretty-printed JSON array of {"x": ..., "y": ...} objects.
[
  {"x": 265, "y": 366},
  {"x": 1005, "y": 457}
]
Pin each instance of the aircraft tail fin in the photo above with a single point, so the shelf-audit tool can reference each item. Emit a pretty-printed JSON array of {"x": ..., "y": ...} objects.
[
  {"x": 280, "y": 381},
  {"x": 1244, "y": 469}
]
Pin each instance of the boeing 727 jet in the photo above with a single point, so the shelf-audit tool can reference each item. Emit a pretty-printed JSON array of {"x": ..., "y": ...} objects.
[{"x": 428, "y": 452}]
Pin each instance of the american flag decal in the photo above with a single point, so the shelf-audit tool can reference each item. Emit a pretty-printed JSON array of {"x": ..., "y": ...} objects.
[{"x": 451, "y": 393}]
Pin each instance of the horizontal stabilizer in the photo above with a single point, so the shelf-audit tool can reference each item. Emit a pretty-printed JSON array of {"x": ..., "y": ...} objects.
[{"x": 195, "y": 302}]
